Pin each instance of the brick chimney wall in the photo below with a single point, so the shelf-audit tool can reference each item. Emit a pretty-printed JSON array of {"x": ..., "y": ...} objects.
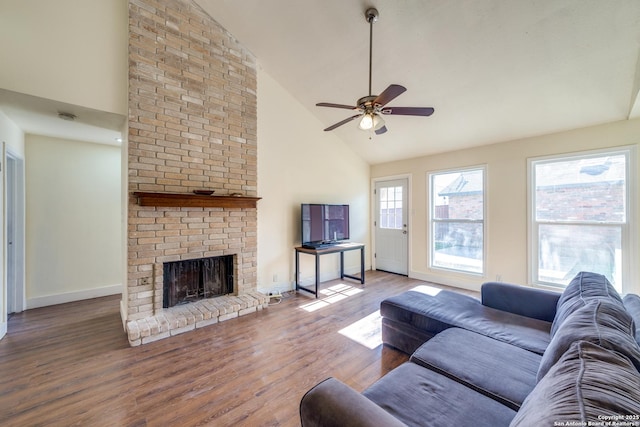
[{"x": 192, "y": 125}]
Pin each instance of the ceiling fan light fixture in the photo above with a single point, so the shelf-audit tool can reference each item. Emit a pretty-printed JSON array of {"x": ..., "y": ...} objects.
[
  {"x": 367, "y": 121},
  {"x": 378, "y": 122}
]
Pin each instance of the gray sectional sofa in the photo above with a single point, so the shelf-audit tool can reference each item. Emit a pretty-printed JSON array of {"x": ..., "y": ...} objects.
[{"x": 517, "y": 357}]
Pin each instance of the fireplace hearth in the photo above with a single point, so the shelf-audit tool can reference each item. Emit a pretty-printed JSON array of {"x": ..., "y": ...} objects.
[{"x": 191, "y": 280}]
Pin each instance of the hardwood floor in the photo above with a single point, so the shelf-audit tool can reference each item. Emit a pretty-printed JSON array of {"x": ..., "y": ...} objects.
[{"x": 71, "y": 364}]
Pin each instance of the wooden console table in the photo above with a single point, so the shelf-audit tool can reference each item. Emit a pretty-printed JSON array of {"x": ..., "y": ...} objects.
[{"x": 339, "y": 248}]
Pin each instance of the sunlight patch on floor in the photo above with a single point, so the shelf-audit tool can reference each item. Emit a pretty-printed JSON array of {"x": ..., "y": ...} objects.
[
  {"x": 335, "y": 298},
  {"x": 316, "y": 305},
  {"x": 429, "y": 290},
  {"x": 366, "y": 331},
  {"x": 331, "y": 295}
]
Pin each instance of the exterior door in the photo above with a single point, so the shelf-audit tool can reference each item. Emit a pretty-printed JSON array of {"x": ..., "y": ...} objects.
[{"x": 391, "y": 226}]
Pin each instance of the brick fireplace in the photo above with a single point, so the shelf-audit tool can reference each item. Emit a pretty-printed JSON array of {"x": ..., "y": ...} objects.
[{"x": 192, "y": 126}]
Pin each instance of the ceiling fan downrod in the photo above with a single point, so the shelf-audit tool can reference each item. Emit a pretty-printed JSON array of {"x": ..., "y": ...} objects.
[{"x": 372, "y": 16}]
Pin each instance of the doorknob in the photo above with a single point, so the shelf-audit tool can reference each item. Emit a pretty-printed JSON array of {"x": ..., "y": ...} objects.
[{"x": 404, "y": 232}]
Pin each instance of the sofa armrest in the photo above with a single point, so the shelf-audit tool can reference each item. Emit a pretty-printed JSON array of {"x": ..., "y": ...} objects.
[
  {"x": 535, "y": 303},
  {"x": 333, "y": 403}
]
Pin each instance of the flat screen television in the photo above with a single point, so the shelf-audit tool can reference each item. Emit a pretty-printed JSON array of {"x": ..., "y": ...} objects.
[{"x": 324, "y": 225}]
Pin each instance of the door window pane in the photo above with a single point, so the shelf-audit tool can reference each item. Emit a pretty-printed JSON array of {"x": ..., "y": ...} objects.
[{"x": 391, "y": 208}]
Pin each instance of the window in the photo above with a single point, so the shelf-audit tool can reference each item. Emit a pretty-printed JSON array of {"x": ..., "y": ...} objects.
[
  {"x": 457, "y": 220},
  {"x": 391, "y": 208},
  {"x": 580, "y": 216}
]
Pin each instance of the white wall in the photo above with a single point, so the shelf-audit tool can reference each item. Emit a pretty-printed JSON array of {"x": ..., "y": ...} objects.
[
  {"x": 73, "y": 210},
  {"x": 300, "y": 163},
  {"x": 74, "y": 51},
  {"x": 11, "y": 134},
  {"x": 506, "y": 238}
]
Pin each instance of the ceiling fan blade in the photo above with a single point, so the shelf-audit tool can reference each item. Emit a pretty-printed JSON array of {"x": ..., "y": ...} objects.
[
  {"x": 408, "y": 111},
  {"x": 328, "y": 104},
  {"x": 382, "y": 130},
  {"x": 343, "y": 122},
  {"x": 389, "y": 94}
]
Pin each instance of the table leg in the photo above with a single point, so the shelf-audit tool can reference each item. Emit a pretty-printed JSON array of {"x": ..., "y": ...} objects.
[
  {"x": 317, "y": 273},
  {"x": 362, "y": 265},
  {"x": 297, "y": 270}
]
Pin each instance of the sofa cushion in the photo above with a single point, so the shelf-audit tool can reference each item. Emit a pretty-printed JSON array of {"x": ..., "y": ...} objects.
[
  {"x": 632, "y": 305},
  {"x": 434, "y": 314},
  {"x": 599, "y": 321},
  {"x": 527, "y": 301},
  {"x": 583, "y": 287},
  {"x": 332, "y": 403},
  {"x": 588, "y": 383},
  {"x": 421, "y": 397},
  {"x": 499, "y": 370},
  {"x": 403, "y": 336}
]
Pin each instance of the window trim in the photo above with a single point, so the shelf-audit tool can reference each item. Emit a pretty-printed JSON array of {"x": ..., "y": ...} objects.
[
  {"x": 431, "y": 220},
  {"x": 629, "y": 239}
]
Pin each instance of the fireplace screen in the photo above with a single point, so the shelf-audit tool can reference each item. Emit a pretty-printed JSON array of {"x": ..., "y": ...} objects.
[{"x": 191, "y": 280}]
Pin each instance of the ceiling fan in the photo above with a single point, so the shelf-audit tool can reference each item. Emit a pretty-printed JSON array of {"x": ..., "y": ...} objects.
[{"x": 371, "y": 108}]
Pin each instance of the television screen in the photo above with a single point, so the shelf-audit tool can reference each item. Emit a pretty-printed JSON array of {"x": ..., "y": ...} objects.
[{"x": 324, "y": 224}]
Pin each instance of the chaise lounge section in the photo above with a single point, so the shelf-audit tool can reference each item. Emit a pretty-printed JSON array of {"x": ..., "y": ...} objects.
[
  {"x": 518, "y": 357},
  {"x": 513, "y": 314}
]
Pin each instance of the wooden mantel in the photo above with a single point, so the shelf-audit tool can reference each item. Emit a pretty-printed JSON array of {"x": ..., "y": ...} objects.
[{"x": 194, "y": 200}]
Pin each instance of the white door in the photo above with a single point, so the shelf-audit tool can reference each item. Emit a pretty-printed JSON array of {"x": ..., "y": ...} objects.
[
  {"x": 391, "y": 226},
  {"x": 3, "y": 281}
]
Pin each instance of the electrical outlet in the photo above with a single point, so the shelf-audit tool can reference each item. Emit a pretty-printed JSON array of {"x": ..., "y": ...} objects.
[
  {"x": 145, "y": 281},
  {"x": 275, "y": 278}
]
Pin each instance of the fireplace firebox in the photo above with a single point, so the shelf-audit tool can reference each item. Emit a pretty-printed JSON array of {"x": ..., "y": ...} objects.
[{"x": 194, "y": 279}]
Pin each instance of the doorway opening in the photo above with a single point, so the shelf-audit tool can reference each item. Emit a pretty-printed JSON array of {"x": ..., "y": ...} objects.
[{"x": 15, "y": 234}]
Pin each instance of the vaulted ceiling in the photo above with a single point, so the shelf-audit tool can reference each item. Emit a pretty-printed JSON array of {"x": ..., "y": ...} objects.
[{"x": 494, "y": 70}]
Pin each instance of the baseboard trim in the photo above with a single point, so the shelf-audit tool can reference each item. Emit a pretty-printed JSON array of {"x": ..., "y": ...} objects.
[
  {"x": 3, "y": 329},
  {"x": 62, "y": 298}
]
